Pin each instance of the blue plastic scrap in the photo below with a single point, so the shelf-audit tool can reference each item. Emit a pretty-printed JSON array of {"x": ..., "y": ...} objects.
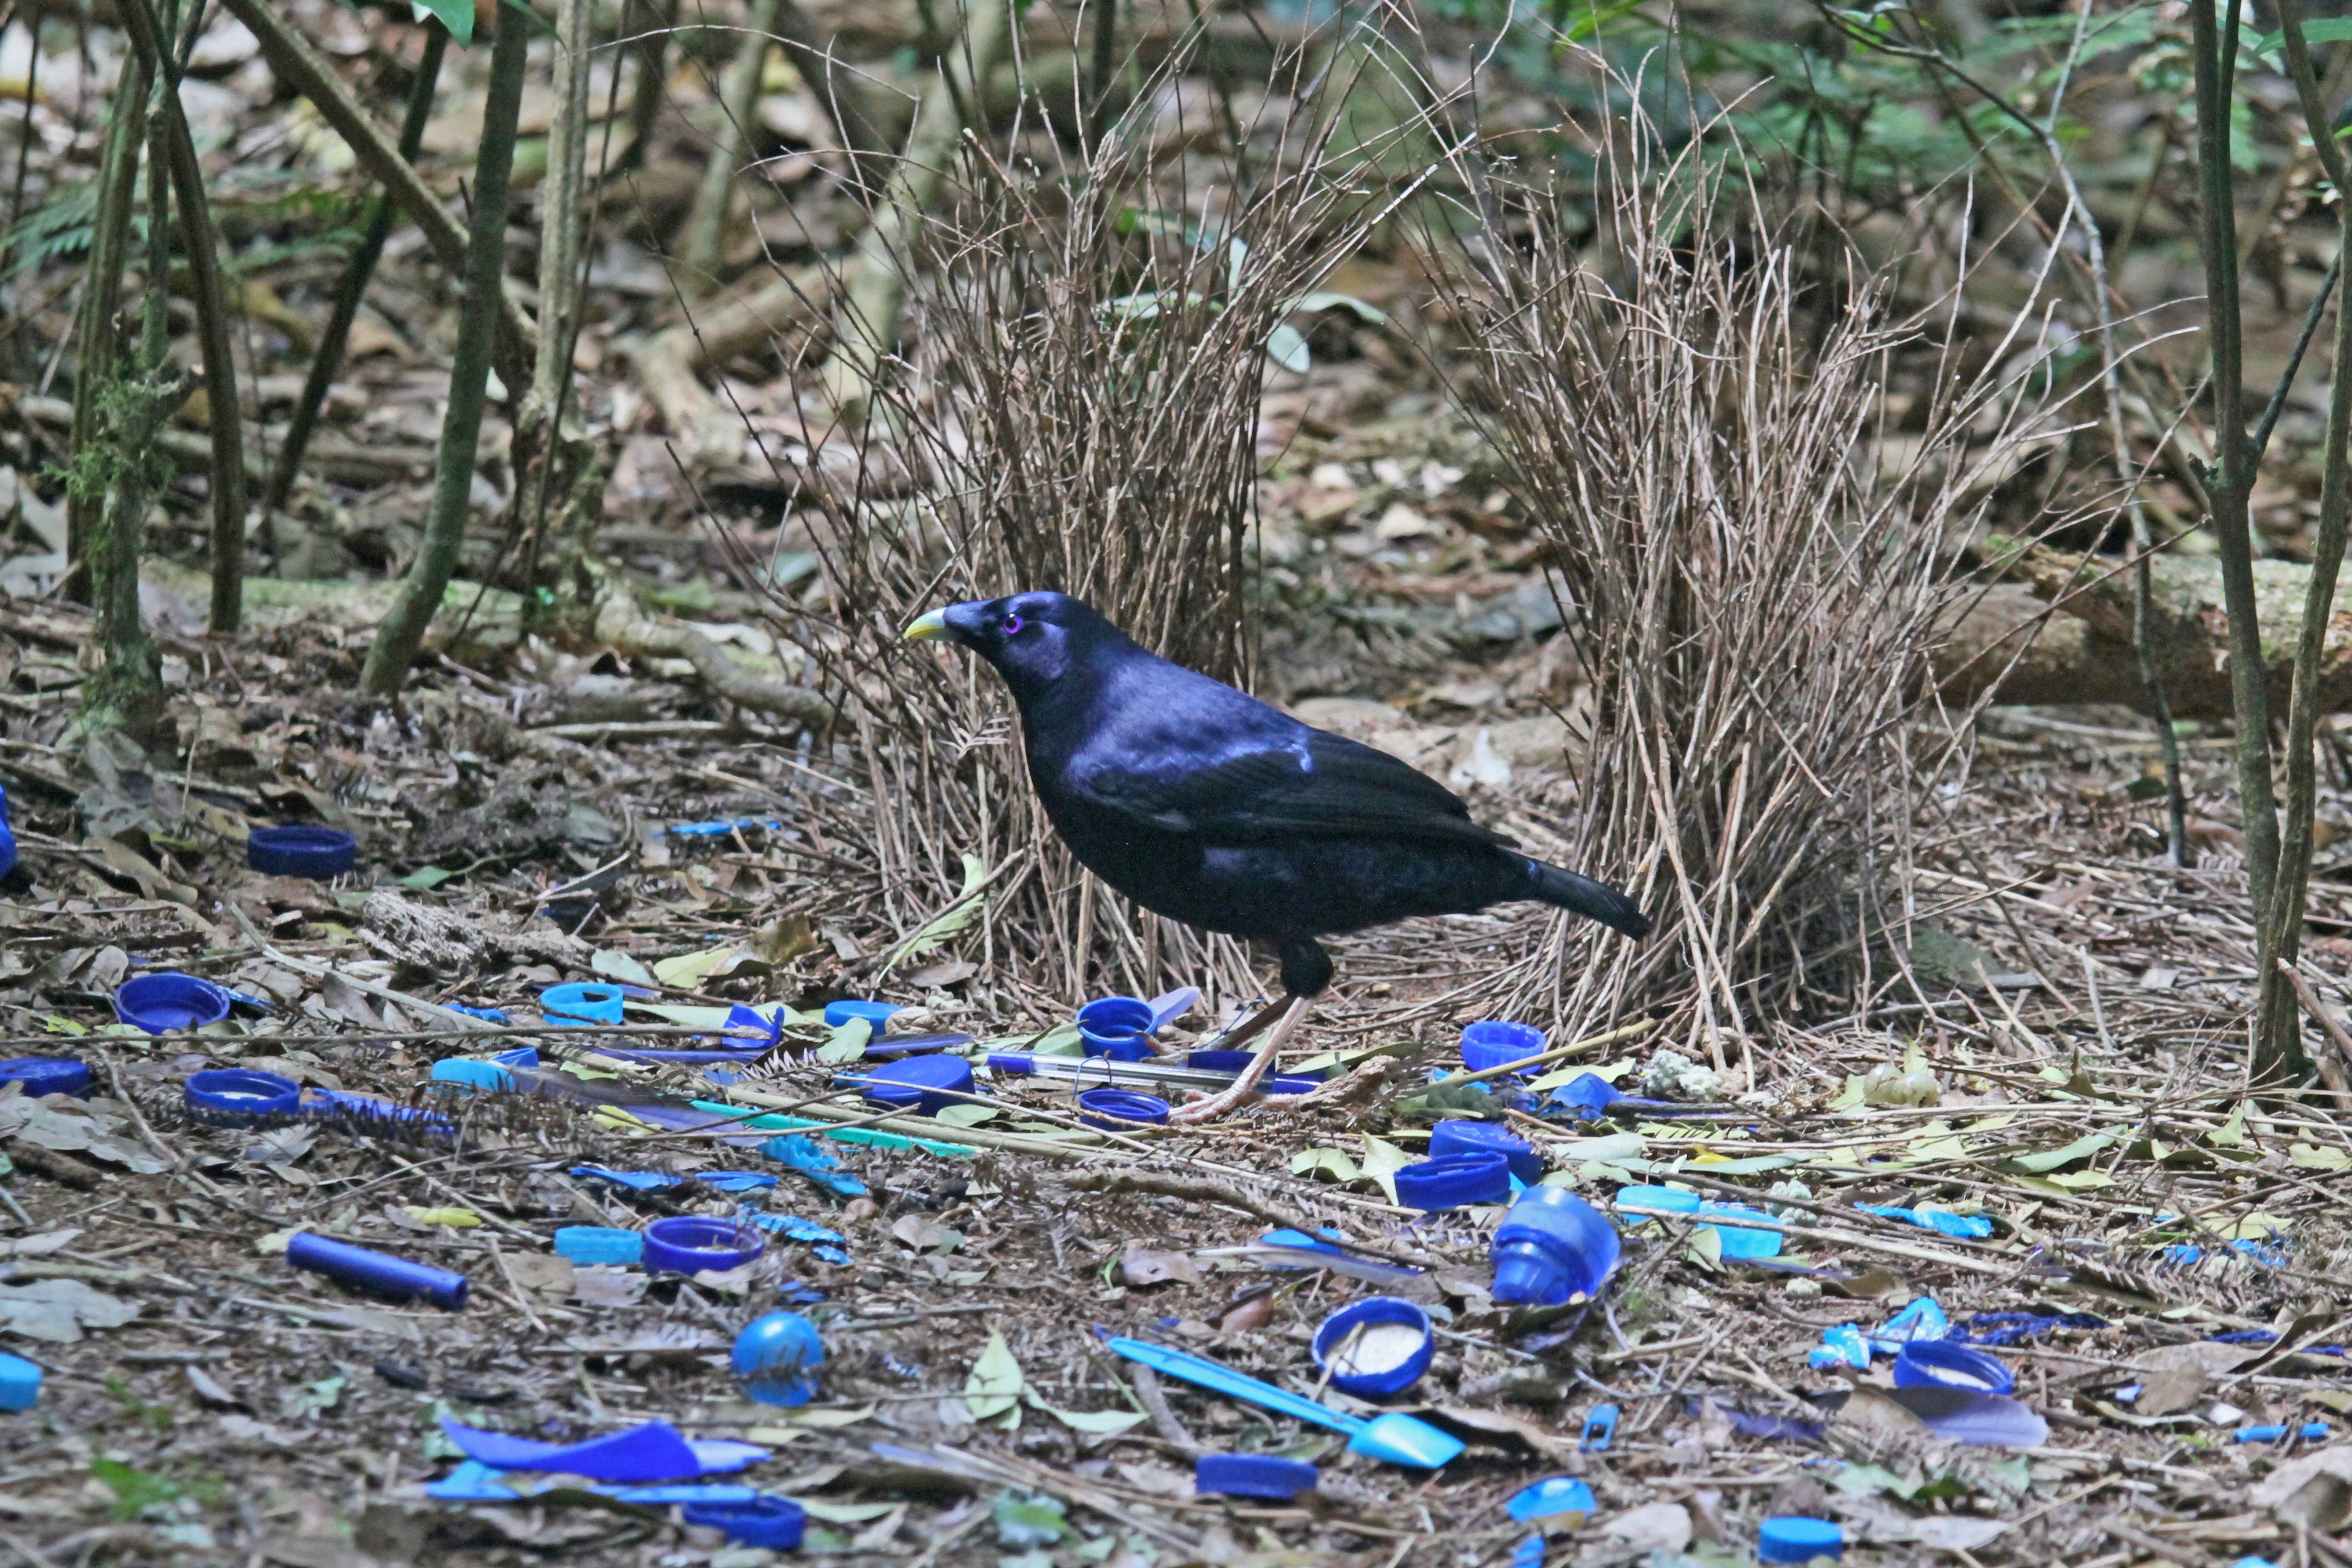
[
  {"x": 635, "y": 1181},
  {"x": 737, "y": 1181},
  {"x": 2014, "y": 1328},
  {"x": 1599, "y": 1429},
  {"x": 803, "y": 1153},
  {"x": 1549, "y": 1498},
  {"x": 2310, "y": 1431},
  {"x": 1529, "y": 1554},
  {"x": 1953, "y": 1224},
  {"x": 827, "y": 1243},
  {"x": 655, "y": 1451},
  {"x": 1840, "y": 1346},
  {"x": 488, "y": 1015},
  {"x": 1922, "y": 1319}
]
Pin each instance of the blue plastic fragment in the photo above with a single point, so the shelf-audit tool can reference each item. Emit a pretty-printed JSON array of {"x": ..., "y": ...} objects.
[
  {"x": 1840, "y": 1346},
  {"x": 7, "y": 839},
  {"x": 770, "y": 1027},
  {"x": 1585, "y": 1097},
  {"x": 1922, "y": 1319},
  {"x": 1599, "y": 1429},
  {"x": 488, "y": 1015},
  {"x": 1551, "y": 1496},
  {"x": 791, "y": 1227},
  {"x": 1527, "y": 1553},
  {"x": 2250, "y": 1561},
  {"x": 582, "y": 1002},
  {"x": 595, "y": 1245},
  {"x": 2310, "y": 1431},
  {"x": 20, "y": 1383},
  {"x": 737, "y": 1181},
  {"x": 2013, "y": 1328},
  {"x": 1942, "y": 1363},
  {"x": 1953, "y": 1224},
  {"x": 774, "y": 1522},
  {"x": 1265, "y": 1476},
  {"x": 635, "y": 1181},
  {"x": 652, "y": 1452},
  {"x": 721, "y": 829},
  {"x": 1738, "y": 1241},
  {"x": 802, "y": 1152}
]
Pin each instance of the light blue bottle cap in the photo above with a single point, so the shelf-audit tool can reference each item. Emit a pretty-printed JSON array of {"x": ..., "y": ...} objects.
[{"x": 20, "y": 1383}]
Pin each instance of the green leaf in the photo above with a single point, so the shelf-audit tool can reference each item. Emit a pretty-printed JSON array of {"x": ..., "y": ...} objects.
[
  {"x": 996, "y": 1384},
  {"x": 1325, "y": 299},
  {"x": 1287, "y": 346},
  {"x": 686, "y": 971},
  {"x": 457, "y": 16},
  {"x": 619, "y": 966},
  {"x": 1097, "y": 1422},
  {"x": 1332, "y": 1162},
  {"x": 1706, "y": 1249},
  {"x": 966, "y": 909},
  {"x": 1383, "y": 1159},
  {"x": 425, "y": 879},
  {"x": 2049, "y": 1160},
  {"x": 847, "y": 1043},
  {"x": 965, "y": 1115},
  {"x": 2230, "y": 1134}
]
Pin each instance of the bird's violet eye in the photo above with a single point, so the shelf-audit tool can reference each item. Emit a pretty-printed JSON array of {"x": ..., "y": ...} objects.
[{"x": 1009, "y": 625}]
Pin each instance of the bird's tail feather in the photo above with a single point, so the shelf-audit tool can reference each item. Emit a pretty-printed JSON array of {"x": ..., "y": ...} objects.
[{"x": 1593, "y": 901}]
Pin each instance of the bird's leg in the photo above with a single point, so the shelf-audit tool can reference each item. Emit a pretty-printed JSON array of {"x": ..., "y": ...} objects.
[
  {"x": 1289, "y": 1010},
  {"x": 1247, "y": 1029}
]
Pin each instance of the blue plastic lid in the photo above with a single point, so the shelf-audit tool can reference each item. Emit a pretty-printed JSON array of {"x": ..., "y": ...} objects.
[
  {"x": 773, "y": 1522},
  {"x": 1462, "y": 1137},
  {"x": 1254, "y": 1475},
  {"x": 1119, "y": 1027},
  {"x": 689, "y": 1243},
  {"x": 595, "y": 1245},
  {"x": 583, "y": 1001},
  {"x": 240, "y": 1094},
  {"x": 915, "y": 1083},
  {"x": 878, "y": 1014},
  {"x": 1115, "y": 1110},
  {"x": 317, "y": 853},
  {"x": 1392, "y": 1346},
  {"x": 47, "y": 1075},
  {"x": 1494, "y": 1041},
  {"x": 20, "y": 1383},
  {"x": 1947, "y": 1363},
  {"x": 1433, "y": 1185},
  {"x": 168, "y": 1000},
  {"x": 1793, "y": 1538},
  {"x": 774, "y": 1356}
]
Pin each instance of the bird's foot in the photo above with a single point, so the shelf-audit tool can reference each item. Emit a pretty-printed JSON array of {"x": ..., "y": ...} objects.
[{"x": 1288, "y": 1011}]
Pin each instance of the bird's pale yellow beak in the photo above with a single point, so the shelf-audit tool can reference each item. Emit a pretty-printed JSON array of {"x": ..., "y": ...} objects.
[{"x": 931, "y": 626}]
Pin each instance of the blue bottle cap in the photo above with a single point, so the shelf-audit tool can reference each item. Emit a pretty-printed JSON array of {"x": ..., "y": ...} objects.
[
  {"x": 320, "y": 854},
  {"x": 1793, "y": 1538},
  {"x": 1118, "y": 1109},
  {"x": 47, "y": 1075},
  {"x": 774, "y": 1356},
  {"x": 1552, "y": 1495},
  {"x": 1553, "y": 1245},
  {"x": 1119, "y": 1027},
  {"x": 1494, "y": 1041},
  {"x": 1451, "y": 1138},
  {"x": 20, "y": 1383},
  {"x": 690, "y": 1243},
  {"x": 472, "y": 1074},
  {"x": 1947, "y": 1363},
  {"x": 600, "y": 1245},
  {"x": 229, "y": 1096},
  {"x": 773, "y": 1522},
  {"x": 582, "y": 1002},
  {"x": 915, "y": 1083},
  {"x": 168, "y": 1000},
  {"x": 1254, "y": 1475},
  {"x": 1392, "y": 1346},
  {"x": 1434, "y": 1184},
  {"x": 878, "y": 1014}
]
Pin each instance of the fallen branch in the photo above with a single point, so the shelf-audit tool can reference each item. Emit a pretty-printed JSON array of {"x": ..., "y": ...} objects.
[
  {"x": 620, "y": 625},
  {"x": 671, "y": 363}
]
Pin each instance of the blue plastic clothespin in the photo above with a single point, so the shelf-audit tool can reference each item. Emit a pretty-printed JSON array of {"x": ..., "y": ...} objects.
[{"x": 1599, "y": 1429}]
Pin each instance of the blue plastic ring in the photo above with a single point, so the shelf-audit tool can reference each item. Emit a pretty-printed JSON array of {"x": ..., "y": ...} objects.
[
  {"x": 1369, "y": 1313},
  {"x": 320, "y": 854},
  {"x": 688, "y": 1244},
  {"x": 1118, "y": 1109}
]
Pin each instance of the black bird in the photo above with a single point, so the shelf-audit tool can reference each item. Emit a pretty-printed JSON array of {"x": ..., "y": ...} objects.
[{"x": 1208, "y": 807}]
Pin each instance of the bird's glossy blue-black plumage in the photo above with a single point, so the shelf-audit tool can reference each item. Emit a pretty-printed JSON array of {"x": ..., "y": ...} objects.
[{"x": 1204, "y": 804}]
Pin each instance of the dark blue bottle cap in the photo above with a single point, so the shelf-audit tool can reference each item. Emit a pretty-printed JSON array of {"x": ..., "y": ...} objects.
[
  {"x": 1392, "y": 1346},
  {"x": 168, "y": 1000},
  {"x": 227, "y": 1096},
  {"x": 1433, "y": 1185},
  {"x": 916, "y": 1083},
  {"x": 1119, "y": 1027},
  {"x": 318, "y": 853},
  {"x": 773, "y": 1522},
  {"x": 1448, "y": 1138},
  {"x": 47, "y": 1075},
  {"x": 1792, "y": 1538},
  {"x": 878, "y": 1014},
  {"x": 583, "y": 1001},
  {"x": 1118, "y": 1109},
  {"x": 690, "y": 1243},
  {"x": 774, "y": 1356},
  {"x": 1254, "y": 1475},
  {"x": 1945, "y": 1364},
  {"x": 1494, "y": 1041}
]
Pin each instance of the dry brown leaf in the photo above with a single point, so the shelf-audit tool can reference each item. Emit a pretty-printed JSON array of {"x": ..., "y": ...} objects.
[{"x": 1150, "y": 1265}]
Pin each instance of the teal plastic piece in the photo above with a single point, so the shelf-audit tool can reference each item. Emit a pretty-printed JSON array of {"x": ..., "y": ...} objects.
[{"x": 20, "y": 1383}]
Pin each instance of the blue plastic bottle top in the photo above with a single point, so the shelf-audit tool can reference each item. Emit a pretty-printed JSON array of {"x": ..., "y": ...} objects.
[
  {"x": 1463, "y": 1137},
  {"x": 878, "y": 1014},
  {"x": 47, "y": 1075},
  {"x": 1434, "y": 1184},
  {"x": 1493, "y": 1042},
  {"x": 1552, "y": 1245},
  {"x": 1375, "y": 1347},
  {"x": 1792, "y": 1538}
]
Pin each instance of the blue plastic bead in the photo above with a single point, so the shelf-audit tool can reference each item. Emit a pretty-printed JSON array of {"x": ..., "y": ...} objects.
[{"x": 774, "y": 1358}]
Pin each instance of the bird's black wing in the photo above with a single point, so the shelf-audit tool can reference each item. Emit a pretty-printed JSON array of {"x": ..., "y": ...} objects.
[{"x": 1316, "y": 784}]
